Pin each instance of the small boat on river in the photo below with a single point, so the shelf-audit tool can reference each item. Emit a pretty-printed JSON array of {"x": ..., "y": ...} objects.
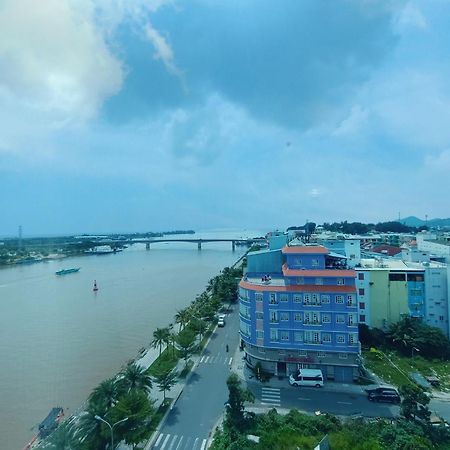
[
  {"x": 67, "y": 271},
  {"x": 47, "y": 427}
]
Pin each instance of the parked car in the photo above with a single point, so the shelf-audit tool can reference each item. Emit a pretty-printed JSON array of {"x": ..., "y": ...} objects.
[
  {"x": 307, "y": 377},
  {"x": 383, "y": 394}
]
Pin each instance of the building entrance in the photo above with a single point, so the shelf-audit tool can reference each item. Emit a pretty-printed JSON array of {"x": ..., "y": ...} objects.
[{"x": 281, "y": 369}]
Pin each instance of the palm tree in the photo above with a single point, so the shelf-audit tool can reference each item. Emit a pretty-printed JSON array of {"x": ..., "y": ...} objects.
[
  {"x": 63, "y": 438},
  {"x": 106, "y": 393},
  {"x": 182, "y": 317},
  {"x": 135, "y": 378},
  {"x": 166, "y": 380},
  {"x": 172, "y": 341},
  {"x": 160, "y": 337}
]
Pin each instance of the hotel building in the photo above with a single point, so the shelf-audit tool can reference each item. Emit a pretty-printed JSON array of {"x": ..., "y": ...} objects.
[{"x": 298, "y": 308}]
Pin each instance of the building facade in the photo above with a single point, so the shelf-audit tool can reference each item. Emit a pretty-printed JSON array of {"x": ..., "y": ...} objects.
[{"x": 298, "y": 308}]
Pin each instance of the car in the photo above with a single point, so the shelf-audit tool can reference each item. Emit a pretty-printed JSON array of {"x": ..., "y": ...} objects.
[
  {"x": 221, "y": 320},
  {"x": 383, "y": 394},
  {"x": 307, "y": 377}
]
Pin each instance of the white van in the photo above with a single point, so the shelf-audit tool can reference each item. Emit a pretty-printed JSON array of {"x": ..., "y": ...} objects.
[
  {"x": 306, "y": 377},
  {"x": 221, "y": 321}
]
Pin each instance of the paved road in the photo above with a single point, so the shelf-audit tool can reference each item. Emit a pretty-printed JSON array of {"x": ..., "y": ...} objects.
[{"x": 201, "y": 404}]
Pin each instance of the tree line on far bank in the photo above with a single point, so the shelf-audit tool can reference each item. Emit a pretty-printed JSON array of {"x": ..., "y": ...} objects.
[{"x": 126, "y": 398}]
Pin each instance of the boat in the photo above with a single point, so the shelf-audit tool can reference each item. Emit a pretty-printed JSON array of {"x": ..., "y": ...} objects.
[
  {"x": 47, "y": 427},
  {"x": 95, "y": 288},
  {"x": 66, "y": 271}
]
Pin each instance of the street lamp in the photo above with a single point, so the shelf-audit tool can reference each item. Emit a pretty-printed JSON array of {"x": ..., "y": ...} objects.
[{"x": 111, "y": 427}]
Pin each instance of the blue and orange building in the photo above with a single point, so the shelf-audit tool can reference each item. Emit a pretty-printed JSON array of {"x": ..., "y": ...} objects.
[{"x": 298, "y": 309}]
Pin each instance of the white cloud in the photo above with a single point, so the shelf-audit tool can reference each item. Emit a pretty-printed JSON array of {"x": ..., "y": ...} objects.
[
  {"x": 439, "y": 162},
  {"x": 53, "y": 59},
  {"x": 352, "y": 124},
  {"x": 411, "y": 16}
]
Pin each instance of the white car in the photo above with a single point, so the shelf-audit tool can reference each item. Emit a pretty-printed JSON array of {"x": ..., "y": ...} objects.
[{"x": 221, "y": 321}]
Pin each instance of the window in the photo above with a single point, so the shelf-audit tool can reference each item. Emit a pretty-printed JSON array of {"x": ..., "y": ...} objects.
[
  {"x": 321, "y": 355},
  {"x": 261, "y": 350},
  {"x": 416, "y": 292},
  {"x": 243, "y": 293},
  {"x": 259, "y": 315},
  {"x": 362, "y": 305},
  {"x": 244, "y": 311},
  {"x": 306, "y": 299},
  {"x": 340, "y": 318},
  {"x": 397, "y": 277},
  {"x": 361, "y": 291},
  {"x": 342, "y": 355},
  {"x": 340, "y": 281},
  {"x": 415, "y": 277},
  {"x": 319, "y": 281},
  {"x": 245, "y": 329},
  {"x": 307, "y": 318},
  {"x": 325, "y": 299},
  {"x": 273, "y": 298},
  {"x": 350, "y": 300},
  {"x": 298, "y": 336},
  {"x": 326, "y": 318},
  {"x": 315, "y": 299},
  {"x": 362, "y": 317},
  {"x": 352, "y": 338},
  {"x": 326, "y": 337},
  {"x": 297, "y": 317},
  {"x": 339, "y": 299},
  {"x": 273, "y": 316},
  {"x": 360, "y": 276},
  {"x": 302, "y": 353},
  {"x": 273, "y": 334},
  {"x": 316, "y": 338},
  {"x": 284, "y": 316},
  {"x": 284, "y": 335},
  {"x": 300, "y": 280},
  {"x": 259, "y": 296},
  {"x": 441, "y": 318},
  {"x": 315, "y": 318},
  {"x": 259, "y": 334},
  {"x": 297, "y": 298},
  {"x": 340, "y": 338},
  {"x": 351, "y": 319},
  {"x": 315, "y": 262},
  {"x": 284, "y": 297}
]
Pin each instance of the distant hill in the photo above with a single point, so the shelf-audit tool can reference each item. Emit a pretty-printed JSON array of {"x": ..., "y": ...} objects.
[{"x": 413, "y": 221}]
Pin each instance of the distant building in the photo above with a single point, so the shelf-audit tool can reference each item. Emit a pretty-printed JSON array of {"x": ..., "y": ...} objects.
[{"x": 298, "y": 309}]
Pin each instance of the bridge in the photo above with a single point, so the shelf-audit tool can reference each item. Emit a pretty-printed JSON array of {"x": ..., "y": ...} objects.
[{"x": 199, "y": 242}]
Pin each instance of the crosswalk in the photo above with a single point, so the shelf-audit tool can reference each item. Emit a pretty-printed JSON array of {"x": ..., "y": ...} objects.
[
  {"x": 270, "y": 396},
  {"x": 175, "y": 442},
  {"x": 216, "y": 360}
]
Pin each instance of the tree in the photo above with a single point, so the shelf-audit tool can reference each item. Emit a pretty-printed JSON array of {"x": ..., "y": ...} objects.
[
  {"x": 138, "y": 409},
  {"x": 63, "y": 438},
  {"x": 185, "y": 341},
  {"x": 105, "y": 394},
  {"x": 182, "y": 317},
  {"x": 93, "y": 434},
  {"x": 414, "y": 403},
  {"x": 160, "y": 337},
  {"x": 166, "y": 380},
  {"x": 135, "y": 377},
  {"x": 235, "y": 419}
]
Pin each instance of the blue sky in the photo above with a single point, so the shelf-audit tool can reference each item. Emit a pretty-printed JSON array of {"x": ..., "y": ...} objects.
[{"x": 122, "y": 115}]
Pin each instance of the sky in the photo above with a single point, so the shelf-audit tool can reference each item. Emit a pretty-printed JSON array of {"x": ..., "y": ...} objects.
[{"x": 151, "y": 115}]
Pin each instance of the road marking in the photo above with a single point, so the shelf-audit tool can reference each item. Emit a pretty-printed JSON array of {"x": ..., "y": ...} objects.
[
  {"x": 270, "y": 395},
  {"x": 173, "y": 442},
  {"x": 270, "y": 404},
  {"x": 179, "y": 443},
  {"x": 202, "y": 358},
  {"x": 195, "y": 443},
  {"x": 305, "y": 399},
  {"x": 345, "y": 403},
  {"x": 165, "y": 442},
  {"x": 159, "y": 438},
  {"x": 203, "y": 445},
  {"x": 270, "y": 389},
  {"x": 206, "y": 359},
  {"x": 231, "y": 360}
]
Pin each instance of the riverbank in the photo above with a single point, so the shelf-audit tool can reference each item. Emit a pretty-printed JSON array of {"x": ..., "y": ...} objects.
[{"x": 203, "y": 310}]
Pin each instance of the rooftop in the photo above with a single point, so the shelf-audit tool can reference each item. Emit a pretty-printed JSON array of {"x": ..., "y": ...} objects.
[
  {"x": 305, "y": 249},
  {"x": 279, "y": 285}
]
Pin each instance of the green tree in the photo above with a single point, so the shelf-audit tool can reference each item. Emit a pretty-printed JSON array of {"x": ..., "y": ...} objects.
[
  {"x": 105, "y": 394},
  {"x": 134, "y": 377},
  {"x": 414, "y": 403},
  {"x": 160, "y": 337},
  {"x": 235, "y": 418},
  {"x": 182, "y": 317},
  {"x": 186, "y": 344},
  {"x": 63, "y": 438},
  {"x": 166, "y": 380},
  {"x": 138, "y": 409}
]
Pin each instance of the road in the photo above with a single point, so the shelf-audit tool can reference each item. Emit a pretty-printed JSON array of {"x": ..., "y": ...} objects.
[{"x": 201, "y": 403}]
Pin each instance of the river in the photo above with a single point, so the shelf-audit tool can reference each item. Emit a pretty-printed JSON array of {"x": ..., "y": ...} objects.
[{"x": 59, "y": 339}]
